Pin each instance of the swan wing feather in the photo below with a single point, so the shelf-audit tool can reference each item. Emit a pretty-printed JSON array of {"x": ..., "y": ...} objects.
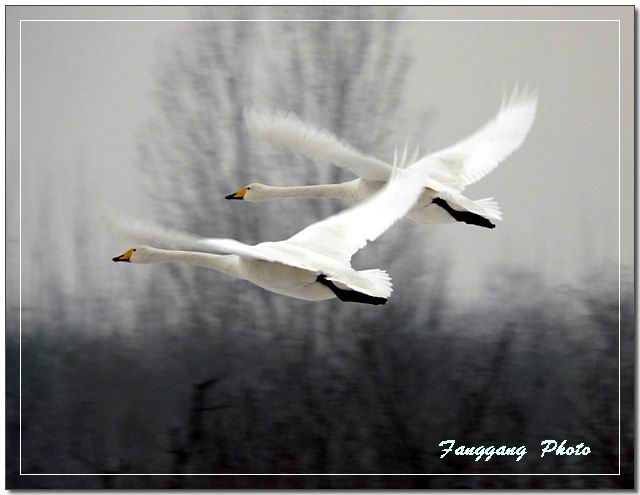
[
  {"x": 341, "y": 235},
  {"x": 286, "y": 130},
  {"x": 474, "y": 157}
]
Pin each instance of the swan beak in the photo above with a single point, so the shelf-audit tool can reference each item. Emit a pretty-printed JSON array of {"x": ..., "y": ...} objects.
[
  {"x": 124, "y": 257},
  {"x": 238, "y": 194}
]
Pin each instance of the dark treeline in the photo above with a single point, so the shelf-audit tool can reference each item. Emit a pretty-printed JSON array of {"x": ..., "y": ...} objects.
[{"x": 375, "y": 396}]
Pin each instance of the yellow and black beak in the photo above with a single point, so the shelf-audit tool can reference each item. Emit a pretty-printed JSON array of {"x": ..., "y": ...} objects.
[
  {"x": 238, "y": 194},
  {"x": 124, "y": 257}
]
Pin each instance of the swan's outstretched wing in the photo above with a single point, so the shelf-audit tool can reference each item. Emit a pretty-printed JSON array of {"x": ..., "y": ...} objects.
[
  {"x": 471, "y": 159},
  {"x": 289, "y": 132},
  {"x": 341, "y": 235}
]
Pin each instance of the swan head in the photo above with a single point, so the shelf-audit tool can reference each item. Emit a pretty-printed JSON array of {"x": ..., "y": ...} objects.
[
  {"x": 253, "y": 192},
  {"x": 138, "y": 254}
]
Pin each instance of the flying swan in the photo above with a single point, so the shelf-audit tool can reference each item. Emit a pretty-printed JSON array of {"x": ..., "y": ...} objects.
[
  {"x": 444, "y": 174},
  {"x": 314, "y": 264}
]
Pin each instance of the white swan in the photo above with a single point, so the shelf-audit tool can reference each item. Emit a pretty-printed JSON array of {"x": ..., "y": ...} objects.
[
  {"x": 445, "y": 174},
  {"x": 314, "y": 264}
]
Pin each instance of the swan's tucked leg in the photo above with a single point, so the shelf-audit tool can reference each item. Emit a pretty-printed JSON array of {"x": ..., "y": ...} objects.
[
  {"x": 464, "y": 216},
  {"x": 350, "y": 295}
]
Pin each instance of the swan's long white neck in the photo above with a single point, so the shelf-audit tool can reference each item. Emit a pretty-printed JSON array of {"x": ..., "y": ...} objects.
[
  {"x": 344, "y": 190},
  {"x": 228, "y": 264}
]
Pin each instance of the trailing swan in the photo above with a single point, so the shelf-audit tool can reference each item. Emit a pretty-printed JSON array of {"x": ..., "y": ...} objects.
[
  {"x": 444, "y": 174},
  {"x": 314, "y": 264}
]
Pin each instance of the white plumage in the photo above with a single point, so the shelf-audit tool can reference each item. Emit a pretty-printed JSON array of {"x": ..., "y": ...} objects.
[
  {"x": 314, "y": 264},
  {"x": 288, "y": 132},
  {"x": 444, "y": 174},
  {"x": 471, "y": 159}
]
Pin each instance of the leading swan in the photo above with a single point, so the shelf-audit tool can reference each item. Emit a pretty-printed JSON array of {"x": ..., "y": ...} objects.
[
  {"x": 444, "y": 174},
  {"x": 314, "y": 264}
]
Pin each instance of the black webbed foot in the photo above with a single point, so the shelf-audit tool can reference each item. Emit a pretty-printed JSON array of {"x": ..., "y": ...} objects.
[
  {"x": 464, "y": 216},
  {"x": 350, "y": 295}
]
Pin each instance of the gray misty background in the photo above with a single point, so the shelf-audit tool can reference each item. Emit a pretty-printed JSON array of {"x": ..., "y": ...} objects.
[
  {"x": 88, "y": 96},
  {"x": 489, "y": 334}
]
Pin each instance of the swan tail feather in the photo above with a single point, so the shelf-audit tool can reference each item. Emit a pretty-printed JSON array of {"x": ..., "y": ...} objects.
[
  {"x": 489, "y": 208},
  {"x": 374, "y": 282},
  {"x": 379, "y": 280}
]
